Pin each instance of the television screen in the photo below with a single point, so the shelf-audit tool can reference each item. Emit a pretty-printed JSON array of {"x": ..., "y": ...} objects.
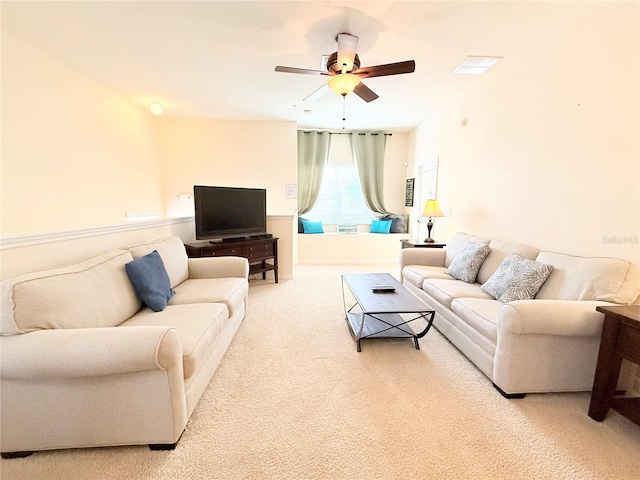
[{"x": 227, "y": 212}]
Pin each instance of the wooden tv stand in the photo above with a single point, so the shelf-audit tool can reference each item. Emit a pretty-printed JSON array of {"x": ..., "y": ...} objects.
[{"x": 256, "y": 250}]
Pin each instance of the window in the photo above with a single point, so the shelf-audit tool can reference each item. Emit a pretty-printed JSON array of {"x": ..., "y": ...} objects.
[{"x": 340, "y": 201}]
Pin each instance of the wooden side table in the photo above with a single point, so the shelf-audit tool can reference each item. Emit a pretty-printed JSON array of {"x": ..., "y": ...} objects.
[
  {"x": 421, "y": 244},
  {"x": 620, "y": 340}
]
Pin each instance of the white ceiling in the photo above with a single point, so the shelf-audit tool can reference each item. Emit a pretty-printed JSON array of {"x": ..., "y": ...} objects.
[{"x": 216, "y": 59}]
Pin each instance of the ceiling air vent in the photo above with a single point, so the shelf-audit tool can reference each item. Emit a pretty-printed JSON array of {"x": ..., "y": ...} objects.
[{"x": 475, "y": 65}]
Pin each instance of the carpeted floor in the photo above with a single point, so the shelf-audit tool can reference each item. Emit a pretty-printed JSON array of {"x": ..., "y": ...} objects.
[{"x": 293, "y": 399}]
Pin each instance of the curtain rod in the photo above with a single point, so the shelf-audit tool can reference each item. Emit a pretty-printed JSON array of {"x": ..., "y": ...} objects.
[{"x": 347, "y": 133}]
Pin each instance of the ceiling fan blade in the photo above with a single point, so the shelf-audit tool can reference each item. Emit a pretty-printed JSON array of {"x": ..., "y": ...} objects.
[
  {"x": 305, "y": 71},
  {"x": 317, "y": 94},
  {"x": 365, "y": 92},
  {"x": 408, "y": 66},
  {"x": 347, "y": 45}
]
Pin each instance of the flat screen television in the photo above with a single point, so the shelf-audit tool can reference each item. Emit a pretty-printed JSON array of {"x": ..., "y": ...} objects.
[{"x": 229, "y": 213}]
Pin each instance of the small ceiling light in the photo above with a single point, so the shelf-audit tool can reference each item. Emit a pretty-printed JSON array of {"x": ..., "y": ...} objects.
[
  {"x": 475, "y": 65},
  {"x": 344, "y": 83},
  {"x": 156, "y": 109}
]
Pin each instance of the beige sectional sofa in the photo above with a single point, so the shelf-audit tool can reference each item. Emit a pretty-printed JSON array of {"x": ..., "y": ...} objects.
[
  {"x": 546, "y": 344},
  {"x": 85, "y": 364}
]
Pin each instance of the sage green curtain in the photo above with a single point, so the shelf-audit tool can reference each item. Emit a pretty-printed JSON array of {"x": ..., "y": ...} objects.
[
  {"x": 368, "y": 154},
  {"x": 313, "y": 151}
]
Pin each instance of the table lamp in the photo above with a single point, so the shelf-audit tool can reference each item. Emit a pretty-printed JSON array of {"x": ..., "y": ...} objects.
[{"x": 431, "y": 209}]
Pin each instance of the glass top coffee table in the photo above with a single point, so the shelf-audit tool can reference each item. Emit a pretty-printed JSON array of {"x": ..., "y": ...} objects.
[{"x": 383, "y": 308}]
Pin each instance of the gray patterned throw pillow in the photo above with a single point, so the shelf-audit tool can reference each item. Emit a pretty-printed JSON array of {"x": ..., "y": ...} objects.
[
  {"x": 517, "y": 278},
  {"x": 468, "y": 261}
]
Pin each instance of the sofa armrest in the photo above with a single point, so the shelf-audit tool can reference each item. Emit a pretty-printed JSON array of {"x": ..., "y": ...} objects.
[
  {"x": 433, "y": 257},
  {"x": 218, "y": 267},
  {"x": 552, "y": 317},
  {"x": 90, "y": 352}
]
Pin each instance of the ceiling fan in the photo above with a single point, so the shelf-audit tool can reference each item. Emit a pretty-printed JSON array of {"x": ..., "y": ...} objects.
[{"x": 344, "y": 69}]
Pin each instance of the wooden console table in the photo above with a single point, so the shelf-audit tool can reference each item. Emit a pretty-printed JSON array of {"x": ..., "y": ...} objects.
[
  {"x": 620, "y": 340},
  {"x": 256, "y": 250}
]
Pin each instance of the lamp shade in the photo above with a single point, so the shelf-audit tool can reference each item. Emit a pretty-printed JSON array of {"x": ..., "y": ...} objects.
[
  {"x": 431, "y": 209},
  {"x": 344, "y": 83}
]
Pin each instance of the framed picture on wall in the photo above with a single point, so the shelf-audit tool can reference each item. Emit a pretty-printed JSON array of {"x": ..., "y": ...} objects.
[{"x": 408, "y": 196}]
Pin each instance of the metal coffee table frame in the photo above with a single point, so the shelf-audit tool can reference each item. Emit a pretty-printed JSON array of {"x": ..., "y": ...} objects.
[{"x": 379, "y": 315}]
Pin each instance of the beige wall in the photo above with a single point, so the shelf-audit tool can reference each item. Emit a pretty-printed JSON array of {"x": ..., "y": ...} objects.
[
  {"x": 550, "y": 155},
  {"x": 235, "y": 154},
  {"x": 228, "y": 153},
  {"x": 284, "y": 228},
  {"x": 395, "y": 172},
  {"x": 76, "y": 158},
  {"x": 38, "y": 252},
  {"x": 73, "y": 154}
]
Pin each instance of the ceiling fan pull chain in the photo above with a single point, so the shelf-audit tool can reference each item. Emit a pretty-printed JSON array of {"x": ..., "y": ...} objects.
[{"x": 344, "y": 108}]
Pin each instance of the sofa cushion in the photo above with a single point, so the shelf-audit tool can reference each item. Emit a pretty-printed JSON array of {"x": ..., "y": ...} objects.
[
  {"x": 517, "y": 278},
  {"x": 230, "y": 291},
  {"x": 95, "y": 292},
  {"x": 455, "y": 244},
  {"x": 150, "y": 280},
  {"x": 480, "y": 314},
  {"x": 417, "y": 274},
  {"x": 445, "y": 291},
  {"x": 468, "y": 261},
  {"x": 499, "y": 251},
  {"x": 199, "y": 327},
  {"x": 173, "y": 254},
  {"x": 589, "y": 278}
]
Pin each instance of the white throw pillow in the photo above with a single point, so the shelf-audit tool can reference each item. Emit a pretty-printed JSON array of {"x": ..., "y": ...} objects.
[
  {"x": 467, "y": 262},
  {"x": 517, "y": 278}
]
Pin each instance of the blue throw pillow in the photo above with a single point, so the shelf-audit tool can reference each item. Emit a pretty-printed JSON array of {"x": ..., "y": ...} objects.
[
  {"x": 312, "y": 227},
  {"x": 150, "y": 281},
  {"x": 380, "y": 226}
]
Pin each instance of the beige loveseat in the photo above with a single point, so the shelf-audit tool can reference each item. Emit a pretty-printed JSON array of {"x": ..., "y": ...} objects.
[
  {"x": 84, "y": 364},
  {"x": 546, "y": 344}
]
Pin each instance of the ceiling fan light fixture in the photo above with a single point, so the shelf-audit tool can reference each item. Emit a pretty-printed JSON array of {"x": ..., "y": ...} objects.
[{"x": 344, "y": 83}]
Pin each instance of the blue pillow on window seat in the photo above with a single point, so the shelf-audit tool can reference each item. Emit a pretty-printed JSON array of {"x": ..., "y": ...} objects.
[
  {"x": 380, "y": 226},
  {"x": 312, "y": 227},
  {"x": 150, "y": 281}
]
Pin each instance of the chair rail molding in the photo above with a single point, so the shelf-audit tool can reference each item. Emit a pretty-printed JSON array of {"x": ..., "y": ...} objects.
[{"x": 19, "y": 241}]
